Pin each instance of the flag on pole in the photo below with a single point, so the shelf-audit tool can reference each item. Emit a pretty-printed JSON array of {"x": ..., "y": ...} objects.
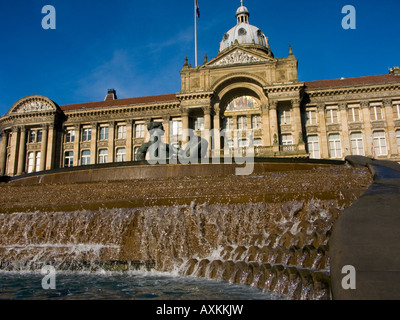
[{"x": 197, "y": 9}]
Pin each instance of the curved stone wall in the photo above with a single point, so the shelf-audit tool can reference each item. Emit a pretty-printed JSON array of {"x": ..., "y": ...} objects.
[{"x": 367, "y": 238}]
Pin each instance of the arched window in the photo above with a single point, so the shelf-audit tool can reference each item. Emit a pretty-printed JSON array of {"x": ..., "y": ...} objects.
[
  {"x": 69, "y": 159},
  {"x": 85, "y": 160},
  {"x": 103, "y": 155},
  {"x": 313, "y": 146},
  {"x": 121, "y": 154}
]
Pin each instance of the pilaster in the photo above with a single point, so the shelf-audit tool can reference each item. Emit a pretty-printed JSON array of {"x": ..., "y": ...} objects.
[
  {"x": 22, "y": 150},
  {"x": 43, "y": 147}
]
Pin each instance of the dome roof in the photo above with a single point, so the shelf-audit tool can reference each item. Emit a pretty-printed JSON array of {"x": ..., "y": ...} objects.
[
  {"x": 244, "y": 33},
  {"x": 242, "y": 10}
]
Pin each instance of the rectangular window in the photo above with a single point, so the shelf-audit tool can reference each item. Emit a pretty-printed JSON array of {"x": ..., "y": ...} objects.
[
  {"x": 313, "y": 147},
  {"x": 256, "y": 122},
  {"x": 139, "y": 130},
  {"x": 357, "y": 144},
  {"x": 286, "y": 139},
  {"x": 103, "y": 133},
  {"x": 69, "y": 159},
  {"x": 87, "y": 134},
  {"x": 85, "y": 160},
  {"x": 103, "y": 156},
  {"x": 242, "y": 123},
  {"x": 243, "y": 143},
  {"x": 228, "y": 123},
  {"x": 396, "y": 111},
  {"x": 70, "y": 136},
  {"x": 354, "y": 114},
  {"x": 31, "y": 162},
  {"x": 376, "y": 113},
  {"x": 121, "y": 132},
  {"x": 257, "y": 142},
  {"x": 379, "y": 140},
  {"x": 121, "y": 155},
  {"x": 398, "y": 140},
  {"x": 176, "y": 127},
  {"x": 39, "y": 136},
  {"x": 335, "y": 146},
  {"x": 38, "y": 156},
  {"x": 199, "y": 123},
  {"x": 284, "y": 116},
  {"x": 32, "y": 135},
  {"x": 311, "y": 117},
  {"x": 331, "y": 116}
]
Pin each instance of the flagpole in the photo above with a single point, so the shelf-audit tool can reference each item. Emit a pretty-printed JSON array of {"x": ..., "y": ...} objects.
[{"x": 195, "y": 31}]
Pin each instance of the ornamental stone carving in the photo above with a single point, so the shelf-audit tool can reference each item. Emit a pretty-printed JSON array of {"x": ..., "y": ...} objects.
[
  {"x": 387, "y": 102},
  {"x": 364, "y": 104},
  {"x": 34, "y": 106},
  {"x": 237, "y": 57}
]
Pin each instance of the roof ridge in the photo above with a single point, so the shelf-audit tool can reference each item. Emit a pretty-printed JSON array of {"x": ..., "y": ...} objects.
[{"x": 116, "y": 100}]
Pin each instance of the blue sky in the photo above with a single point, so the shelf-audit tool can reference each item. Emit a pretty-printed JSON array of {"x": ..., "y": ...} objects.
[{"x": 138, "y": 47}]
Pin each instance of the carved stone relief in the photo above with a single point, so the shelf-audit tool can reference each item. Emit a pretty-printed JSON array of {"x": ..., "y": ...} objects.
[
  {"x": 34, "y": 106},
  {"x": 237, "y": 57}
]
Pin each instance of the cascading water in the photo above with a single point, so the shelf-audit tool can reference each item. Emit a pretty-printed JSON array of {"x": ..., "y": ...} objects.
[{"x": 276, "y": 245}]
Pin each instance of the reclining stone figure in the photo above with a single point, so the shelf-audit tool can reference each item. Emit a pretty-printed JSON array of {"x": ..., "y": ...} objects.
[{"x": 196, "y": 147}]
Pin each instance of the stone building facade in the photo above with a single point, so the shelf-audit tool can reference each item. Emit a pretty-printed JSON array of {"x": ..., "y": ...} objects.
[{"x": 244, "y": 96}]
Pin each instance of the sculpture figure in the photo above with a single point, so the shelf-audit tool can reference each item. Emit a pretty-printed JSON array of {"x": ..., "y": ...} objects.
[{"x": 196, "y": 147}]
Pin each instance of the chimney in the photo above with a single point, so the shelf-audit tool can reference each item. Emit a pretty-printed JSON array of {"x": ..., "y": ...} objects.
[
  {"x": 111, "y": 95},
  {"x": 395, "y": 71}
]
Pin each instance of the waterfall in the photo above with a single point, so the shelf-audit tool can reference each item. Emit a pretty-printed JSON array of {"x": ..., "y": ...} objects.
[{"x": 274, "y": 245}]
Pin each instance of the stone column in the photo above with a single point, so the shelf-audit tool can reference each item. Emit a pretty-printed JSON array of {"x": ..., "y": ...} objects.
[
  {"x": 345, "y": 129},
  {"x": 51, "y": 140},
  {"x": 185, "y": 126},
  {"x": 273, "y": 105},
  {"x": 3, "y": 152},
  {"x": 388, "y": 106},
  {"x": 366, "y": 112},
  {"x": 324, "y": 148},
  {"x": 21, "y": 152},
  {"x": 217, "y": 131},
  {"x": 43, "y": 148},
  {"x": 129, "y": 124},
  {"x": 77, "y": 143},
  {"x": 166, "y": 120},
  {"x": 207, "y": 127},
  {"x": 111, "y": 141},
  {"x": 12, "y": 169},
  {"x": 93, "y": 144},
  {"x": 265, "y": 126},
  {"x": 298, "y": 128}
]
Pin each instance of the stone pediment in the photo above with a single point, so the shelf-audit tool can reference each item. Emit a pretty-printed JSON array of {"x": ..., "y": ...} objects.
[
  {"x": 33, "y": 104},
  {"x": 237, "y": 56}
]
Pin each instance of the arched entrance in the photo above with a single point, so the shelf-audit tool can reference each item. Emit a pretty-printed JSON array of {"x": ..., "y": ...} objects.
[{"x": 240, "y": 114}]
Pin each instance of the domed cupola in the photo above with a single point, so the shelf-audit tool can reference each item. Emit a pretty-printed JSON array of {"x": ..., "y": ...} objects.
[
  {"x": 242, "y": 14},
  {"x": 245, "y": 34}
]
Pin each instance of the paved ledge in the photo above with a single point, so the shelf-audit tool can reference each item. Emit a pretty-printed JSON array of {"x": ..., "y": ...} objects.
[
  {"x": 142, "y": 170},
  {"x": 367, "y": 236}
]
